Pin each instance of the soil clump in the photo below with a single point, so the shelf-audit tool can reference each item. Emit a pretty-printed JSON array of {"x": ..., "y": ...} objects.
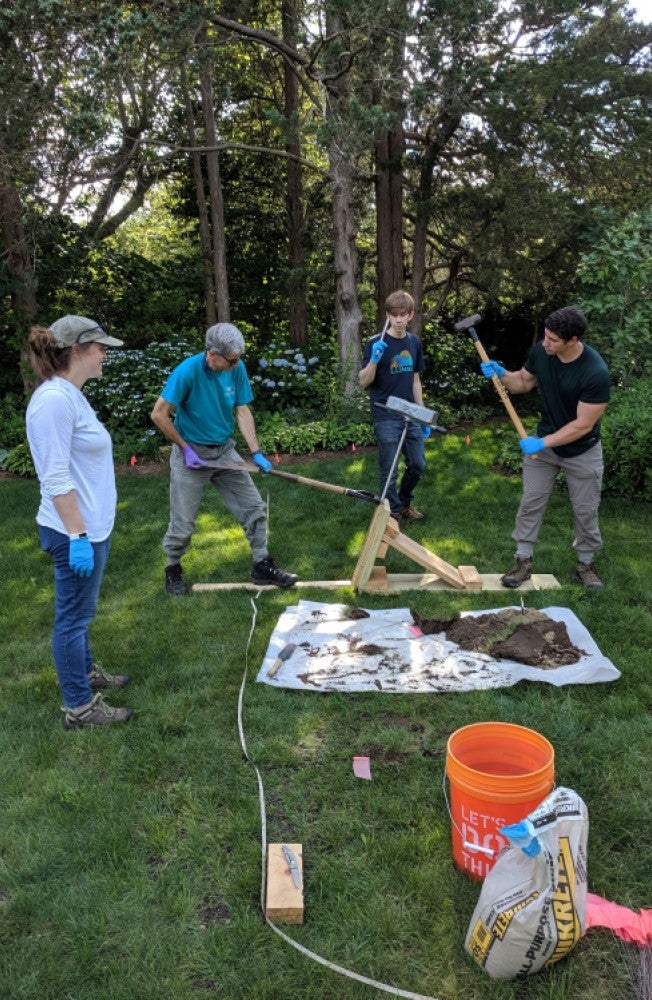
[{"x": 526, "y": 636}]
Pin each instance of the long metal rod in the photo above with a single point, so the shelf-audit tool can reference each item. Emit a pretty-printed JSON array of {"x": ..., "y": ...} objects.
[{"x": 406, "y": 423}]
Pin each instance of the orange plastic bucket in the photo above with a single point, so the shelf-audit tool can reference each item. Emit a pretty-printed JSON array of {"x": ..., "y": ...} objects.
[{"x": 498, "y": 773}]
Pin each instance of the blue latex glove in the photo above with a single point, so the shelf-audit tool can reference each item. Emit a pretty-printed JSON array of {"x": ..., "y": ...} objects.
[
  {"x": 491, "y": 368},
  {"x": 378, "y": 350},
  {"x": 262, "y": 462},
  {"x": 81, "y": 557},
  {"x": 426, "y": 431},
  {"x": 531, "y": 445},
  {"x": 191, "y": 458}
]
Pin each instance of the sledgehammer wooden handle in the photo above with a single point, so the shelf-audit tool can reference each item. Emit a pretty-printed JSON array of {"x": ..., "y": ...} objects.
[{"x": 500, "y": 389}]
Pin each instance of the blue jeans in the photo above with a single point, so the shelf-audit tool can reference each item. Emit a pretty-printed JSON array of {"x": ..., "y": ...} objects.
[
  {"x": 388, "y": 435},
  {"x": 75, "y": 603}
]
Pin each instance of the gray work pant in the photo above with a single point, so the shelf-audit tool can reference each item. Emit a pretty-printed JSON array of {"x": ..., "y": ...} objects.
[
  {"x": 236, "y": 489},
  {"x": 584, "y": 480}
]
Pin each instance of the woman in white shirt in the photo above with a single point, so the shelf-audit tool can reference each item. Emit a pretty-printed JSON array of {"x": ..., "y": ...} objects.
[{"x": 73, "y": 457}]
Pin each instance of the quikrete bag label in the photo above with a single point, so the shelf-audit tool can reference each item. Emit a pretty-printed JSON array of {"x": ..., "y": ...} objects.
[{"x": 532, "y": 908}]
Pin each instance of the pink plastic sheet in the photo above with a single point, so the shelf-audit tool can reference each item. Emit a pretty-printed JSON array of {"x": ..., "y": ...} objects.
[{"x": 627, "y": 924}]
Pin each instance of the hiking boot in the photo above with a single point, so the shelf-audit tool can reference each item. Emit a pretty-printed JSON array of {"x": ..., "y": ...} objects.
[
  {"x": 174, "y": 582},
  {"x": 96, "y": 713},
  {"x": 411, "y": 513},
  {"x": 518, "y": 574},
  {"x": 266, "y": 572},
  {"x": 587, "y": 574},
  {"x": 99, "y": 680}
]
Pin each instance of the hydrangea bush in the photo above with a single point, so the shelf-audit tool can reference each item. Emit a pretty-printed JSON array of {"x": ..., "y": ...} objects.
[
  {"x": 132, "y": 381},
  {"x": 282, "y": 377}
]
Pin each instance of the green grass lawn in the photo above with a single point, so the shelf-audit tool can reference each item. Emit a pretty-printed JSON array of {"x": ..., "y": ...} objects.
[{"x": 130, "y": 857}]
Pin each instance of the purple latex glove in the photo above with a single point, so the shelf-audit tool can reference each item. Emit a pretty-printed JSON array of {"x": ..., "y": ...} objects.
[
  {"x": 81, "y": 557},
  {"x": 192, "y": 459},
  {"x": 531, "y": 445},
  {"x": 262, "y": 462}
]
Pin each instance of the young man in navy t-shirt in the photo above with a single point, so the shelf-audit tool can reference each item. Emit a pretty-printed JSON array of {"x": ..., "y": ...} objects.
[{"x": 392, "y": 366}]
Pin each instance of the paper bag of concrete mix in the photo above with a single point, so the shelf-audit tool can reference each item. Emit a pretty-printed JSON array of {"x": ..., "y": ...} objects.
[{"x": 532, "y": 906}]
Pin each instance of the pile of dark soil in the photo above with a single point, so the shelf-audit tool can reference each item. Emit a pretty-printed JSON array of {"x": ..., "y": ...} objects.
[{"x": 526, "y": 636}]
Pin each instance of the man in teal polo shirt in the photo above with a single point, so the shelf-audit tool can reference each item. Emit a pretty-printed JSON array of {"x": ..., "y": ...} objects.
[{"x": 196, "y": 411}]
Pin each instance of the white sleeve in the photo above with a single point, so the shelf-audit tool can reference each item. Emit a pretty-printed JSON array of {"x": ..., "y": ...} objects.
[{"x": 49, "y": 431}]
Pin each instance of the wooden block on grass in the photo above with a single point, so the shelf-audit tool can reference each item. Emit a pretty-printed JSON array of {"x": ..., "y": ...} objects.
[
  {"x": 284, "y": 903},
  {"x": 471, "y": 577}
]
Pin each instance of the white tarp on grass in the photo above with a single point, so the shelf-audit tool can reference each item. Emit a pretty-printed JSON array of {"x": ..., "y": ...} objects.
[{"x": 380, "y": 653}]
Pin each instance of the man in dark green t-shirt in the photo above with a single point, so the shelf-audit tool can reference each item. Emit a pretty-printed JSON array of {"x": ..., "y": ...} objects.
[{"x": 574, "y": 384}]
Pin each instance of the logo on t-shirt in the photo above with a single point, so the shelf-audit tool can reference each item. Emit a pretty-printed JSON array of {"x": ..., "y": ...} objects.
[{"x": 402, "y": 362}]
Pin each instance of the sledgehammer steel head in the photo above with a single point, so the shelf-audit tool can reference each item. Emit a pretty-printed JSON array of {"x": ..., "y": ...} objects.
[
  {"x": 420, "y": 414},
  {"x": 466, "y": 324}
]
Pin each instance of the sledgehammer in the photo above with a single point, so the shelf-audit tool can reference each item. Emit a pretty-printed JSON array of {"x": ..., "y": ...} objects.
[{"x": 468, "y": 324}]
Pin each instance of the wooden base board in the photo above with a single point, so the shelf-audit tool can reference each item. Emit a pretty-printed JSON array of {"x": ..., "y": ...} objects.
[
  {"x": 396, "y": 582},
  {"x": 284, "y": 902},
  {"x": 401, "y": 581}
]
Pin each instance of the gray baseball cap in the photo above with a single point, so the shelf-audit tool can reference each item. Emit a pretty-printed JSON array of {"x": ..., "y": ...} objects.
[{"x": 71, "y": 330}]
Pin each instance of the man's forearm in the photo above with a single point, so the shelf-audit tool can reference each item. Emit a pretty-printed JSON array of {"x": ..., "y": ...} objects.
[
  {"x": 516, "y": 383},
  {"x": 167, "y": 428},
  {"x": 247, "y": 428},
  {"x": 367, "y": 374}
]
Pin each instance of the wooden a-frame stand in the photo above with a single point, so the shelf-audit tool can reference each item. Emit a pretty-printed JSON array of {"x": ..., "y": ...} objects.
[{"x": 384, "y": 532}]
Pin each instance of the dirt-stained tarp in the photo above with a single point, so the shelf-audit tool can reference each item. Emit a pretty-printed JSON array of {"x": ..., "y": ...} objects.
[{"x": 340, "y": 648}]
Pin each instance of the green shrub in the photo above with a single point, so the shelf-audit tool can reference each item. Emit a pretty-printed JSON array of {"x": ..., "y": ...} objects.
[
  {"x": 132, "y": 381},
  {"x": 300, "y": 437},
  {"x": 19, "y": 461},
  {"x": 452, "y": 377},
  {"x": 627, "y": 441},
  {"x": 12, "y": 420},
  {"x": 283, "y": 377}
]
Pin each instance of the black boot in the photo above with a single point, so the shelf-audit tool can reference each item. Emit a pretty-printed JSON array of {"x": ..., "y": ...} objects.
[
  {"x": 266, "y": 573},
  {"x": 174, "y": 582}
]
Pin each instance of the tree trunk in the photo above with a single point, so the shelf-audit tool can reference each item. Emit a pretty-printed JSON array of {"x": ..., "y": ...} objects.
[
  {"x": 202, "y": 208},
  {"x": 389, "y": 216},
  {"x": 389, "y": 152},
  {"x": 294, "y": 195},
  {"x": 19, "y": 268},
  {"x": 347, "y": 307},
  {"x": 214, "y": 183}
]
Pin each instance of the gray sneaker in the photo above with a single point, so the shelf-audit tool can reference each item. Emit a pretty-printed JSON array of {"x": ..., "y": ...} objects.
[
  {"x": 95, "y": 713},
  {"x": 587, "y": 574},
  {"x": 518, "y": 574},
  {"x": 99, "y": 679}
]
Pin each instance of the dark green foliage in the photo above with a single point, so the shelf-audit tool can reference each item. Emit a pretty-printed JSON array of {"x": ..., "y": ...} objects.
[
  {"x": 452, "y": 375},
  {"x": 300, "y": 436},
  {"x": 627, "y": 441},
  {"x": 132, "y": 382},
  {"x": 283, "y": 377},
  {"x": 615, "y": 290}
]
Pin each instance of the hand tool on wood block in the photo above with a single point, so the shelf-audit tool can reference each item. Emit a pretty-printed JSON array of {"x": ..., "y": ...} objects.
[
  {"x": 284, "y": 895},
  {"x": 468, "y": 325},
  {"x": 284, "y": 655}
]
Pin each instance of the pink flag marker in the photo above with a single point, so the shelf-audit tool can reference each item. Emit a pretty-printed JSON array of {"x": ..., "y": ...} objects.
[{"x": 362, "y": 767}]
